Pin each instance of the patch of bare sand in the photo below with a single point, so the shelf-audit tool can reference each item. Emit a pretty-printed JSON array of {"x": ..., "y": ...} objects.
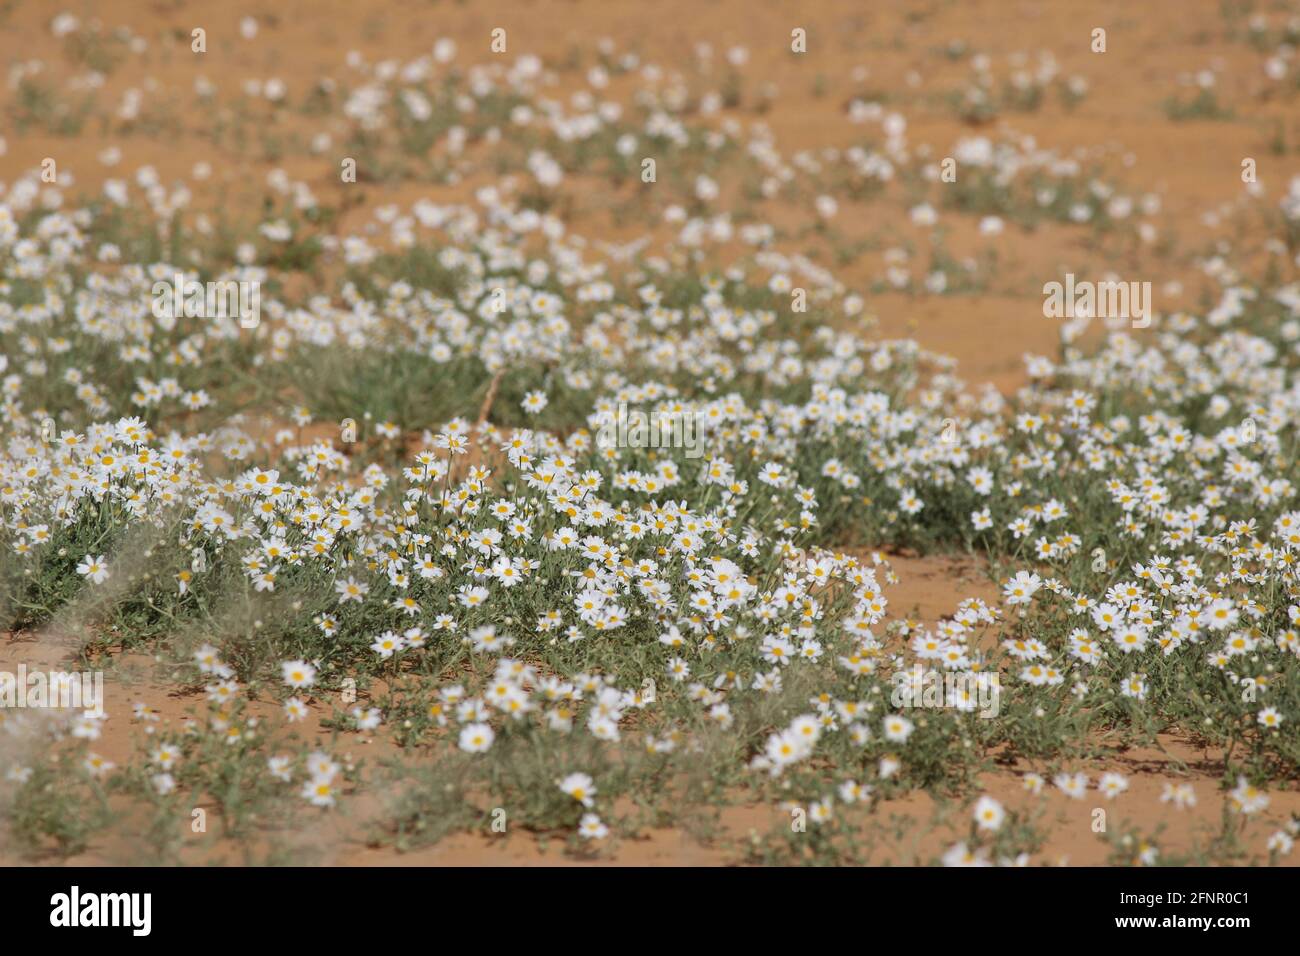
[{"x": 930, "y": 587}]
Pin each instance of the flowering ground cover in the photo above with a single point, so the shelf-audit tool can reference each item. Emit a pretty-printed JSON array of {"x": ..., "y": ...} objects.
[{"x": 562, "y": 434}]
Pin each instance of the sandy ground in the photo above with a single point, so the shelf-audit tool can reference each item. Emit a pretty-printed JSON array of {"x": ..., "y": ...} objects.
[
  {"x": 1120, "y": 125},
  {"x": 911, "y": 829}
]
